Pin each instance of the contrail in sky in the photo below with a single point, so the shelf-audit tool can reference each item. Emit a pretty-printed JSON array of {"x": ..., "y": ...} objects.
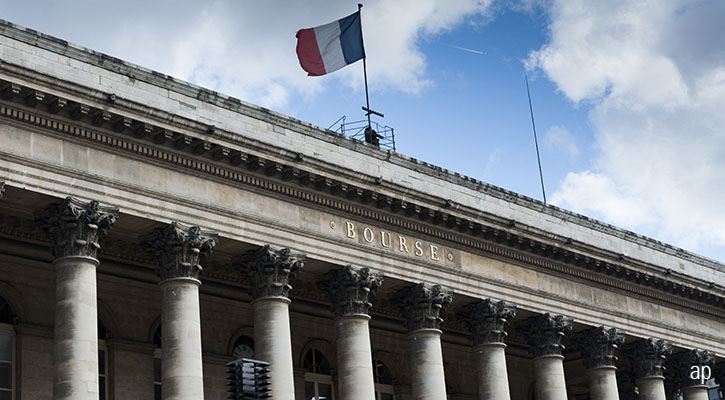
[{"x": 466, "y": 49}]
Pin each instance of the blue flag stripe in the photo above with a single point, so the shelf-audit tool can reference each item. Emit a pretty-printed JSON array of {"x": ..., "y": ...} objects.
[{"x": 351, "y": 38}]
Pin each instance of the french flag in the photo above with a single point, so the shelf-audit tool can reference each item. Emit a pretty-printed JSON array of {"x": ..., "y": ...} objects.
[{"x": 329, "y": 47}]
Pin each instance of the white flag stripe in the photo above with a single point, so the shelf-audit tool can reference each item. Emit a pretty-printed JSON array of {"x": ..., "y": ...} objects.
[{"x": 328, "y": 41}]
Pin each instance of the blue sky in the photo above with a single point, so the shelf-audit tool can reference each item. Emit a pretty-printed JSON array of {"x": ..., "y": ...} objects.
[{"x": 627, "y": 94}]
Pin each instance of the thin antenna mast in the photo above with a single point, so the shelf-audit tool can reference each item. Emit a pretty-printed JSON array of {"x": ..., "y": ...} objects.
[{"x": 536, "y": 141}]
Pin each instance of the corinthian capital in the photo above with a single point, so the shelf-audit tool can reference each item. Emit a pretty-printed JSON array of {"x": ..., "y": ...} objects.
[
  {"x": 422, "y": 305},
  {"x": 350, "y": 288},
  {"x": 545, "y": 334},
  {"x": 599, "y": 346},
  {"x": 487, "y": 320},
  {"x": 683, "y": 363},
  {"x": 648, "y": 357},
  {"x": 270, "y": 271},
  {"x": 180, "y": 250},
  {"x": 74, "y": 227}
]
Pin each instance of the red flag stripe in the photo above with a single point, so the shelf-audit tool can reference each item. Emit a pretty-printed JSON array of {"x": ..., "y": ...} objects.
[{"x": 308, "y": 52}]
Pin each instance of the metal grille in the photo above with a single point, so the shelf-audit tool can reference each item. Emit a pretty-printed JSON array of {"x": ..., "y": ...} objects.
[{"x": 248, "y": 379}]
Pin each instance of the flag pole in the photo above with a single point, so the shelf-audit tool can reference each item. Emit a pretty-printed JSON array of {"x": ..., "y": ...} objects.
[
  {"x": 536, "y": 141},
  {"x": 365, "y": 72}
]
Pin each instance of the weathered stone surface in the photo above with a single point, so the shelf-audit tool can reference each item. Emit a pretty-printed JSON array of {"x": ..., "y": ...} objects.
[
  {"x": 545, "y": 334},
  {"x": 427, "y": 375},
  {"x": 74, "y": 227},
  {"x": 600, "y": 346},
  {"x": 422, "y": 305},
  {"x": 350, "y": 289},
  {"x": 180, "y": 250},
  {"x": 487, "y": 320},
  {"x": 2, "y": 189},
  {"x": 270, "y": 271},
  {"x": 647, "y": 357}
]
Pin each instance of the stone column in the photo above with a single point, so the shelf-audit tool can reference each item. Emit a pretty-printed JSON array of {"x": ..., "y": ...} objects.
[
  {"x": 545, "y": 334},
  {"x": 487, "y": 321},
  {"x": 692, "y": 389},
  {"x": 270, "y": 272},
  {"x": 350, "y": 289},
  {"x": 647, "y": 358},
  {"x": 421, "y": 305},
  {"x": 180, "y": 250},
  {"x": 74, "y": 228},
  {"x": 599, "y": 346}
]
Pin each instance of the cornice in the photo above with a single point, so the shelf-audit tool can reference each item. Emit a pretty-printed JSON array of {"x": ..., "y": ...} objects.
[
  {"x": 135, "y": 72},
  {"x": 287, "y": 179}
]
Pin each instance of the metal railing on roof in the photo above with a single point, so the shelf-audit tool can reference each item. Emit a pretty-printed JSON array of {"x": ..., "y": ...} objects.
[{"x": 382, "y": 136}]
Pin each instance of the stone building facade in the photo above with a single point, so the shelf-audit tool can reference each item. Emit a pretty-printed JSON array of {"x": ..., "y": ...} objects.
[{"x": 152, "y": 231}]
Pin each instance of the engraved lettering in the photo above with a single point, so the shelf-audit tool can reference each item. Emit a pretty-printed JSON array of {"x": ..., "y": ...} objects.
[
  {"x": 368, "y": 235},
  {"x": 382, "y": 239},
  {"x": 434, "y": 253},
  {"x": 403, "y": 245},
  {"x": 350, "y": 230},
  {"x": 418, "y": 248}
]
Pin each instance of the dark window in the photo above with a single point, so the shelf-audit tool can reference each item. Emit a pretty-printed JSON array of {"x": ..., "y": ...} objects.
[
  {"x": 7, "y": 315},
  {"x": 7, "y": 346},
  {"x": 157, "y": 337},
  {"x": 382, "y": 373},
  {"x": 317, "y": 363},
  {"x": 318, "y": 379},
  {"x": 102, "y": 359},
  {"x": 157, "y": 364}
]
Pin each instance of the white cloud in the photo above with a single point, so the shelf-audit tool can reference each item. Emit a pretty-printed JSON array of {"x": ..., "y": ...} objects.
[
  {"x": 560, "y": 140},
  {"x": 654, "y": 74},
  {"x": 247, "y": 49},
  {"x": 603, "y": 197}
]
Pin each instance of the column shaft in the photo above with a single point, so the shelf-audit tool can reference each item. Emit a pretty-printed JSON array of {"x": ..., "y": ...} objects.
[
  {"x": 493, "y": 381},
  {"x": 354, "y": 358},
  {"x": 549, "y": 376},
  {"x": 426, "y": 362},
  {"x": 651, "y": 388},
  {"x": 74, "y": 229},
  {"x": 181, "y": 363},
  {"x": 76, "y": 329},
  {"x": 603, "y": 383},
  {"x": 273, "y": 343},
  {"x": 698, "y": 392}
]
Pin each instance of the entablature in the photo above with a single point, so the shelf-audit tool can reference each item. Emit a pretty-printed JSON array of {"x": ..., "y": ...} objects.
[{"x": 119, "y": 125}]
